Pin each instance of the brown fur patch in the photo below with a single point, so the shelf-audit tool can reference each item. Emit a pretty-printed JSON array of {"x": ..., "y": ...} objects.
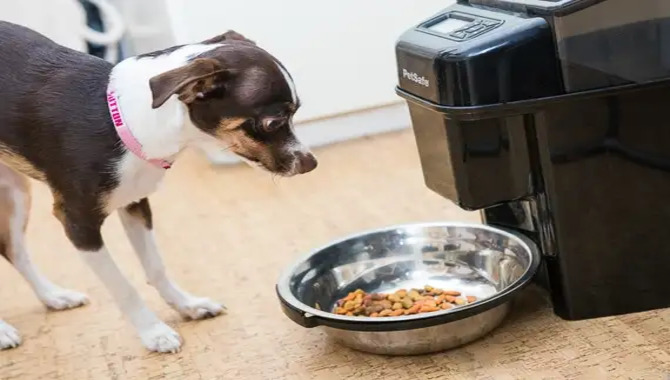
[
  {"x": 228, "y": 124},
  {"x": 59, "y": 206},
  {"x": 10, "y": 182},
  {"x": 141, "y": 210},
  {"x": 6, "y": 211},
  {"x": 20, "y": 164},
  {"x": 242, "y": 144},
  {"x": 238, "y": 141}
]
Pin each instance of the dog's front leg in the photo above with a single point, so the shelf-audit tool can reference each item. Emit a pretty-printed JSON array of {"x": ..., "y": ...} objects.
[
  {"x": 83, "y": 229},
  {"x": 137, "y": 221}
]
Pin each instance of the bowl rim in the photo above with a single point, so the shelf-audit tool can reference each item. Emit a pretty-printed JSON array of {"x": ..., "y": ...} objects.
[{"x": 308, "y": 316}]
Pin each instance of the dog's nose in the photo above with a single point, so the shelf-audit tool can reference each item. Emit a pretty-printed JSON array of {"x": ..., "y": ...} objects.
[{"x": 306, "y": 162}]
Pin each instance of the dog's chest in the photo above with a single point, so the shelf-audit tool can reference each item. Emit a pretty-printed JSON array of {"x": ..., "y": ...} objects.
[{"x": 137, "y": 180}]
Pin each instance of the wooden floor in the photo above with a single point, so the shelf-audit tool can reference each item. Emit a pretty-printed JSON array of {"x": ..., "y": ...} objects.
[{"x": 227, "y": 233}]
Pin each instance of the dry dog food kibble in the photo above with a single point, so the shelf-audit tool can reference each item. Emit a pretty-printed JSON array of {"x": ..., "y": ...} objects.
[{"x": 402, "y": 302}]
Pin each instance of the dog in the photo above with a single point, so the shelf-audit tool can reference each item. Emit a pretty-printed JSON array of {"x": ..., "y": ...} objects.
[{"x": 103, "y": 136}]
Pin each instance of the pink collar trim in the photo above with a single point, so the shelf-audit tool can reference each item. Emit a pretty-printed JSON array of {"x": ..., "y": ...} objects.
[{"x": 126, "y": 135}]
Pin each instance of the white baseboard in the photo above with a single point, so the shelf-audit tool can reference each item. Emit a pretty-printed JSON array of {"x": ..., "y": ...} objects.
[{"x": 339, "y": 128}]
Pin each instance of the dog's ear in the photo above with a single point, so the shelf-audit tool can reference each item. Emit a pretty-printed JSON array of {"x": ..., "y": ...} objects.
[
  {"x": 228, "y": 36},
  {"x": 194, "y": 80}
]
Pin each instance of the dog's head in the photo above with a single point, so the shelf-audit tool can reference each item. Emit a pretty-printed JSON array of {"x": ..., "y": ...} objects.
[{"x": 241, "y": 95}]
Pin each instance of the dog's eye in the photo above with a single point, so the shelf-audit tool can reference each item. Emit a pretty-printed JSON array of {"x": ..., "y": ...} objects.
[{"x": 272, "y": 123}]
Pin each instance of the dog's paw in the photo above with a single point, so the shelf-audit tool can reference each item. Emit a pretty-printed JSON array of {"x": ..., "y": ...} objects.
[
  {"x": 61, "y": 299},
  {"x": 161, "y": 338},
  {"x": 200, "y": 308},
  {"x": 9, "y": 336}
]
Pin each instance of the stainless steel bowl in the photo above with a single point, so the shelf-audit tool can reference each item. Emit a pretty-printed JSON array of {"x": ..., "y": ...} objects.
[{"x": 488, "y": 263}]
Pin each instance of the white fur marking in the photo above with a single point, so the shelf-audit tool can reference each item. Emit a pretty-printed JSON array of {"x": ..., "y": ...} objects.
[
  {"x": 295, "y": 149},
  {"x": 155, "y": 335},
  {"x": 161, "y": 131},
  {"x": 51, "y": 295},
  {"x": 137, "y": 179},
  {"x": 9, "y": 336},
  {"x": 289, "y": 81},
  {"x": 144, "y": 243}
]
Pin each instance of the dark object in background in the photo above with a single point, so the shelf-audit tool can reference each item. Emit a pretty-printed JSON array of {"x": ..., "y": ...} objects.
[
  {"x": 551, "y": 117},
  {"x": 94, "y": 21}
]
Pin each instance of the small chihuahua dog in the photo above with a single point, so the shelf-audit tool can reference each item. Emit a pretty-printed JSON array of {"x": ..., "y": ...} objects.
[{"x": 102, "y": 137}]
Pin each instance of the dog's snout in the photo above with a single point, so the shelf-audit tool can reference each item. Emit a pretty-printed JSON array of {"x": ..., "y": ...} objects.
[{"x": 306, "y": 162}]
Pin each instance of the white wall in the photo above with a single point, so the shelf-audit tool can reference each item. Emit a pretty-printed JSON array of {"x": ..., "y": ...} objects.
[
  {"x": 147, "y": 24},
  {"x": 66, "y": 28},
  {"x": 340, "y": 53}
]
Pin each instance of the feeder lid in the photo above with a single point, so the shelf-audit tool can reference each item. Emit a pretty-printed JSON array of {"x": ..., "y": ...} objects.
[{"x": 537, "y": 7}]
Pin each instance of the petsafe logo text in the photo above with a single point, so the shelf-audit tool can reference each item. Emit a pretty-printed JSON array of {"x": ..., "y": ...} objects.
[{"x": 414, "y": 77}]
